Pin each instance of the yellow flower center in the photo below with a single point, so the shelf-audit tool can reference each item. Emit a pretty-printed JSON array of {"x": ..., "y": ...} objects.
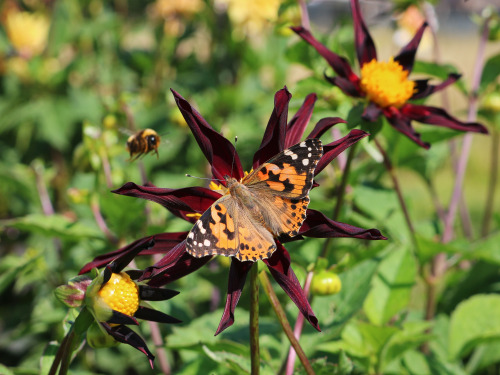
[
  {"x": 121, "y": 294},
  {"x": 28, "y": 32},
  {"x": 386, "y": 83}
]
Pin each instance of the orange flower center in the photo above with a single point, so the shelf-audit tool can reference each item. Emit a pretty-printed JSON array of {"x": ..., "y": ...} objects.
[
  {"x": 386, "y": 83},
  {"x": 121, "y": 294}
]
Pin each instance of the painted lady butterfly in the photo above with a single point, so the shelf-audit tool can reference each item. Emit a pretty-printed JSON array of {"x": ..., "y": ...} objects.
[{"x": 269, "y": 202}]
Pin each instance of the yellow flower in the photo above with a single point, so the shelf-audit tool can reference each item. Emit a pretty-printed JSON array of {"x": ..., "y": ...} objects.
[
  {"x": 168, "y": 8},
  {"x": 120, "y": 293},
  {"x": 386, "y": 83},
  {"x": 28, "y": 32},
  {"x": 252, "y": 17}
]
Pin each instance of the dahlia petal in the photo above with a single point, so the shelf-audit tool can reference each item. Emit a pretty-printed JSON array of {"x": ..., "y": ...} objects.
[
  {"x": 237, "y": 277},
  {"x": 318, "y": 225},
  {"x": 274, "y": 136},
  {"x": 332, "y": 150},
  {"x": 402, "y": 123},
  {"x": 365, "y": 47},
  {"x": 219, "y": 152},
  {"x": 181, "y": 202},
  {"x": 121, "y": 318},
  {"x": 406, "y": 57},
  {"x": 348, "y": 87},
  {"x": 125, "y": 335},
  {"x": 323, "y": 125},
  {"x": 281, "y": 270},
  {"x": 145, "y": 313},
  {"x": 148, "y": 293},
  {"x": 439, "y": 117},
  {"x": 128, "y": 252},
  {"x": 339, "y": 64},
  {"x": 371, "y": 112},
  {"x": 297, "y": 125},
  {"x": 423, "y": 89},
  {"x": 174, "y": 271}
]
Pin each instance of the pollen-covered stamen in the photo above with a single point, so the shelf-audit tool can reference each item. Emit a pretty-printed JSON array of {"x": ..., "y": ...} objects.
[
  {"x": 386, "y": 83},
  {"x": 120, "y": 293}
]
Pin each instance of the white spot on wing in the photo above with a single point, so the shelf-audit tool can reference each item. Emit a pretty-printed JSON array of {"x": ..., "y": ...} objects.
[
  {"x": 305, "y": 161},
  {"x": 191, "y": 235},
  {"x": 206, "y": 243},
  {"x": 302, "y": 144}
]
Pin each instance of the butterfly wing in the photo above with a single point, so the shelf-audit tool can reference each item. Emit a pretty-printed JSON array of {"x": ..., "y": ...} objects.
[
  {"x": 226, "y": 229},
  {"x": 282, "y": 186}
]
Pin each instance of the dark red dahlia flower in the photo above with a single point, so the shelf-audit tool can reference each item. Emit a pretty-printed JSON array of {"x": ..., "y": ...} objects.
[
  {"x": 386, "y": 85},
  {"x": 190, "y": 203}
]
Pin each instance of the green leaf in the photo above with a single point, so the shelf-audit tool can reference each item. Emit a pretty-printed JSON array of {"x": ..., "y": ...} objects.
[
  {"x": 438, "y": 70},
  {"x": 474, "y": 321},
  {"x": 47, "y": 359},
  {"x": 53, "y": 226},
  {"x": 392, "y": 287},
  {"x": 491, "y": 71}
]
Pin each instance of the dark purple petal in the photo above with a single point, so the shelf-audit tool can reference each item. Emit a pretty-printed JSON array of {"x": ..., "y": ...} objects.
[
  {"x": 127, "y": 336},
  {"x": 176, "y": 264},
  {"x": 274, "y": 137},
  {"x": 423, "y": 89},
  {"x": 332, "y": 150},
  {"x": 339, "y": 64},
  {"x": 438, "y": 116},
  {"x": 319, "y": 226},
  {"x": 406, "y": 56},
  {"x": 279, "y": 266},
  {"x": 121, "y": 318},
  {"x": 123, "y": 260},
  {"x": 148, "y": 293},
  {"x": 219, "y": 152},
  {"x": 237, "y": 277},
  {"x": 145, "y": 313},
  {"x": 371, "y": 112},
  {"x": 365, "y": 48},
  {"x": 348, "y": 87},
  {"x": 323, "y": 125},
  {"x": 297, "y": 125},
  {"x": 181, "y": 202},
  {"x": 163, "y": 243},
  {"x": 402, "y": 123}
]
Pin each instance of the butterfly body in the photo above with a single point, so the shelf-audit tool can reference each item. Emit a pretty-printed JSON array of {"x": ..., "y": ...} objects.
[{"x": 269, "y": 202}]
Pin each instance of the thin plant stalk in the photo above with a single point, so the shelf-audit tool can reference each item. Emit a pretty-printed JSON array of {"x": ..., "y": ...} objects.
[
  {"x": 492, "y": 185},
  {"x": 254, "y": 320},
  {"x": 280, "y": 313},
  {"x": 161, "y": 353}
]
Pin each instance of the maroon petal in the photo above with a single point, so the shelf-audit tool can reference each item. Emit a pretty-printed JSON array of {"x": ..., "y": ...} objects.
[
  {"x": 332, "y": 150},
  {"x": 406, "y": 56},
  {"x": 279, "y": 266},
  {"x": 438, "y": 116},
  {"x": 237, "y": 277},
  {"x": 219, "y": 152},
  {"x": 365, "y": 48},
  {"x": 402, "y": 123},
  {"x": 323, "y": 125},
  {"x": 121, "y": 318},
  {"x": 339, "y": 64},
  {"x": 181, "y": 202},
  {"x": 127, "y": 336},
  {"x": 319, "y": 226},
  {"x": 298, "y": 124},
  {"x": 372, "y": 112},
  {"x": 423, "y": 89},
  {"x": 145, "y": 313},
  {"x": 127, "y": 252},
  {"x": 348, "y": 87},
  {"x": 274, "y": 137},
  {"x": 148, "y": 293}
]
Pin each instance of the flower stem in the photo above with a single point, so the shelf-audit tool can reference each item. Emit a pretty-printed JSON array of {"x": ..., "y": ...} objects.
[
  {"x": 490, "y": 196},
  {"x": 388, "y": 165},
  {"x": 280, "y": 313},
  {"x": 254, "y": 321},
  {"x": 160, "y": 348}
]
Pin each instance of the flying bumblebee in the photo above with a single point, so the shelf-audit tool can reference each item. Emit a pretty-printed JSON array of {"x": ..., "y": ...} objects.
[{"x": 142, "y": 143}]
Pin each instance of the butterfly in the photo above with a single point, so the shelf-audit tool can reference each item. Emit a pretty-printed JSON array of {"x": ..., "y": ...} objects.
[{"x": 269, "y": 202}]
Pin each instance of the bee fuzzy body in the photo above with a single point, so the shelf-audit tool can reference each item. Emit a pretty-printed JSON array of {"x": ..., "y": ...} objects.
[{"x": 142, "y": 143}]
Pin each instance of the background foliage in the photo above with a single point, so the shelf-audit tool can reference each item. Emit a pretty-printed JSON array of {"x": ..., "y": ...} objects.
[{"x": 105, "y": 70}]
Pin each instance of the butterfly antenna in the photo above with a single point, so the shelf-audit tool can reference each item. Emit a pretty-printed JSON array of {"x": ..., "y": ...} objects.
[
  {"x": 203, "y": 178},
  {"x": 234, "y": 154}
]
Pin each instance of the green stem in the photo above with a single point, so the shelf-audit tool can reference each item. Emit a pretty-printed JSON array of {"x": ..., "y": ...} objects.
[
  {"x": 490, "y": 196},
  {"x": 390, "y": 168},
  {"x": 341, "y": 195},
  {"x": 254, "y": 321},
  {"x": 280, "y": 313}
]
